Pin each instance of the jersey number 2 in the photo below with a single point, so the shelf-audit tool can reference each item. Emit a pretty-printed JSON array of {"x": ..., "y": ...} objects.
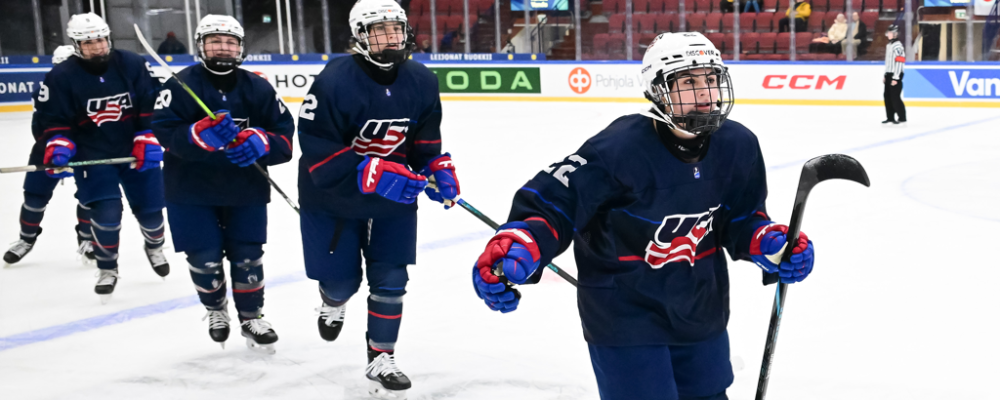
[{"x": 565, "y": 167}]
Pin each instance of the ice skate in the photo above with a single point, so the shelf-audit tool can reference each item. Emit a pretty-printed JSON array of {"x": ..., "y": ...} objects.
[
  {"x": 331, "y": 321},
  {"x": 260, "y": 336},
  {"x": 158, "y": 261},
  {"x": 107, "y": 279},
  {"x": 218, "y": 325},
  {"x": 85, "y": 250},
  {"x": 17, "y": 252},
  {"x": 386, "y": 381}
]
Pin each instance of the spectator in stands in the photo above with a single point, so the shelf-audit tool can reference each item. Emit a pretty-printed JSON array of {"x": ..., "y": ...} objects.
[
  {"x": 726, "y": 6},
  {"x": 448, "y": 41},
  {"x": 802, "y": 12},
  {"x": 425, "y": 46},
  {"x": 171, "y": 45},
  {"x": 832, "y": 42},
  {"x": 751, "y": 3},
  {"x": 860, "y": 35}
]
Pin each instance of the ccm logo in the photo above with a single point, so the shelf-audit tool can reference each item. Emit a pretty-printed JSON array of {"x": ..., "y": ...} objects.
[{"x": 803, "y": 81}]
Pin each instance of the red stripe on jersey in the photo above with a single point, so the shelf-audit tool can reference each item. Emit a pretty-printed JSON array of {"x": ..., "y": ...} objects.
[
  {"x": 397, "y": 316},
  {"x": 58, "y": 128},
  {"x": 427, "y": 141},
  {"x": 705, "y": 254},
  {"x": 247, "y": 290},
  {"x": 28, "y": 223},
  {"x": 317, "y": 165},
  {"x": 399, "y": 154},
  {"x": 554, "y": 233},
  {"x": 630, "y": 258}
]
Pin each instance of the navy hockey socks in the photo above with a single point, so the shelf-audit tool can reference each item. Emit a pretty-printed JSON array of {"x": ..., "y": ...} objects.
[
  {"x": 384, "y": 317},
  {"x": 152, "y": 228},
  {"x": 32, "y": 212},
  {"x": 83, "y": 223},
  {"x": 208, "y": 276},
  {"x": 248, "y": 278},
  {"x": 106, "y": 225}
]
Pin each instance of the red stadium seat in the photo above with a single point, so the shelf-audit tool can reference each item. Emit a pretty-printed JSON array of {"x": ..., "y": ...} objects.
[
  {"x": 768, "y": 5},
  {"x": 748, "y": 42},
  {"x": 640, "y": 6},
  {"x": 818, "y": 5},
  {"x": 890, "y": 6},
  {"x": 783, "y": 42},
  {"x": 645, "y": 23},
  {"x": 802, "y": 41},
  {"x": 454, "y": 23},
  {"x": 713, "y": 22},
  {"x": 716, "y": 39},
  {"x": 423, "y": 24},
  {"x": 870, "y": 6},
  {"x": 616, "y": 46},
  {"x": 657, "y": 6},
  {"x": 701, "y": 6},
  {"x": 764, "y": 22},
  {"x": 601, "y": 45},
  {"x": 616, "y": 23},
  {"x": 815, "y": 23},
  {"x": 728, "y": 43},
  {"x": 837, "y": 5},
  {"x": 829, "y": 20},
  {"x": 672, "y": 6},
  {"x": 695, "y": 22},
  {"x": 869, "y": 18},
  {"x": 767, "y": 42},
  {"x": 616, "y": 6},
  {"x": 728, "y": 22},
  {"x": 418, "y": 8},
  {"x": 667, "y": 23},
  {"x": 746, "y": 22}
]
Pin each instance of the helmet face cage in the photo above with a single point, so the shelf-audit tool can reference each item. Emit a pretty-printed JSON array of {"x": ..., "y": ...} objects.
[
  {"x": 220, "y": 64},
  {"x": 78, "y": 50},
  {"x": 377, "y": 34},
  {"x": 696, "y": 85}
]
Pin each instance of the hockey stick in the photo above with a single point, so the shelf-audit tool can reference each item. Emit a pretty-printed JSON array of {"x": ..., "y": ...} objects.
[
  {"x": 33, "y": 168},
  {"x": 149, "y": 49},
  {"x": 482, "y": 217},
  {"x": 816, "y": 170}
]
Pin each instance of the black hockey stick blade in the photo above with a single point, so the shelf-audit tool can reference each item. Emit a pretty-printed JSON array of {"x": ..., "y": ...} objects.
[{"x": 816, "y": 170}]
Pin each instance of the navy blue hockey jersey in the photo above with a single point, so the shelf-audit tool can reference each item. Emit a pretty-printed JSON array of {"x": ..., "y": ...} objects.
[
  {"x": 347, "y": 115},
  {"x": 101, "y": 113},
  {"x": 192, "y": 175},
  {"x": 649, "y": 229}
]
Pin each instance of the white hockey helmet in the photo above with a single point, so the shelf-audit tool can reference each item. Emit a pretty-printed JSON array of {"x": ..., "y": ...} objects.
[
  {"x": 213, "y": 24},
  {"x": 62, "y": 53},
  {"x": 671, "y": 54},
  {"x": 87, "y": 26},
  {"x": 364, "y": 14}
]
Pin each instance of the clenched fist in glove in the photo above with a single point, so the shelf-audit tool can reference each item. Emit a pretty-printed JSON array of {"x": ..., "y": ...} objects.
[
  {"x": 514, "y": 252},
  {"x": 214, "y": 134},
  {"x": 147, "y": 151},
  {"x": 250, "y": 144},
  {"x": 58, "y": 151},
  {"x": 768, "y": 245},
  {"x": 390, "y": 180},
  {"x": 443, "y": 171}
]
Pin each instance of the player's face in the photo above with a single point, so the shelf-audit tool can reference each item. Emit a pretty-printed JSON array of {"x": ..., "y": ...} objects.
[
  {"x": 222, "y": 46},
  {"x": 94, "y": 48},
  {"x": 695, "y": 90},
  {"x": 386, "y": 36}
]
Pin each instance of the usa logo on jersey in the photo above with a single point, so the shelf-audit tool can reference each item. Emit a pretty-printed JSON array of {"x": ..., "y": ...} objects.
[
  {"x": 380, "y": 137},
  {"x": 677, "y": 239},
  {"x": 108, "y": 108}
]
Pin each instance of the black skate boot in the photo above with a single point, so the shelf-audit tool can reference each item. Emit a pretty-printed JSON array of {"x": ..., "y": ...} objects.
[
  {"x": 260, "y": 336},
  {"x": 20, "y": 249},
  {"x": 158, "y": 261},
  {"x": 85, "y": 247},
  {"x": 107, "y": 279},
  {"x": 218, "y": 325},
  {"x": 331, "y": 321},
  {"x": 386, "y": 381}
]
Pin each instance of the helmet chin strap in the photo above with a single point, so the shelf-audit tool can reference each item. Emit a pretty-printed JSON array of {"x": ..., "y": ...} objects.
[
  {"x": 658, "y": 115},
  {"x": 368, "y": 56}
]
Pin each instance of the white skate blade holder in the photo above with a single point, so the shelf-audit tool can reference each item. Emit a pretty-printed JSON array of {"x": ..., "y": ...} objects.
[
  {"x": 377, "y": 391},
  {"x": 258, "y": 348},
  {"x": 105, "y": 298}
]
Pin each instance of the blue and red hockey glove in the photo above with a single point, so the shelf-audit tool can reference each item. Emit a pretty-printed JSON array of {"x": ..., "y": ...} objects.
[
  {"x": 514, "y": 252},
  {"x": 443, "y": 171},
  {"x": 390, "y": 180},
  {"x": 767, "y": 247},
  {"x": 147, "y": 151},
  {"x": 58, "y": 151},
  {"x": 213, "y": 135},
  {"x": 250, "y": 144}
]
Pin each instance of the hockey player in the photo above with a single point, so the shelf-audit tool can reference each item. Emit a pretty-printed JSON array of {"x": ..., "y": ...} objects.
[
  {"x": 366, "y": 121},
  {"x": 650, "y": 203},
  {"x": 216, "y": 199},
  {"x": 99, "y": 106},
  {"x": 39, "y": 185}
]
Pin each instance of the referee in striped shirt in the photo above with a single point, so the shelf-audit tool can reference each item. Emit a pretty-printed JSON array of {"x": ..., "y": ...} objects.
[{"x": 895, "y": 58}]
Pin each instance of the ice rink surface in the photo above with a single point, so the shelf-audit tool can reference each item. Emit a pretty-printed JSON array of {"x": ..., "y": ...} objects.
[{"x": 902, "y": 303}]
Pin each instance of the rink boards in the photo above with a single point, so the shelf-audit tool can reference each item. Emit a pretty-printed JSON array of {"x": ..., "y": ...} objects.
[{"x": 778, "y": 83}]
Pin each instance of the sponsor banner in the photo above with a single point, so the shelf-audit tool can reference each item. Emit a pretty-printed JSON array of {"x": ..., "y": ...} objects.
[
  {"x": 488, "y": 80},
  {"x": 967, "y": 83},
  {"x": 472, "y": 57},
  {"x": 17, "y": 87}
]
